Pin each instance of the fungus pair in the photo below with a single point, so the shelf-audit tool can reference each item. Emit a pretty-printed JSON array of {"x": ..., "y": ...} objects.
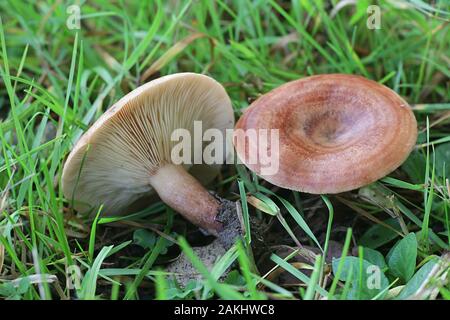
[{"x": 336, "y": 133}]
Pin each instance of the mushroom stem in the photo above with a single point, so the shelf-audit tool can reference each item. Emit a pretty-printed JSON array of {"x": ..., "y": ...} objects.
[{"x": 183, "y": 193}]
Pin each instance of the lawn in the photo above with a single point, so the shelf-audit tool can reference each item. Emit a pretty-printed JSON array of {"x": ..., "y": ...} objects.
[{"x": 63, "y": 63}]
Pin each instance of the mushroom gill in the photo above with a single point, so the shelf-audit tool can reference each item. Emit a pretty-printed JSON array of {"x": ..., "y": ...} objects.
[{"x": 123, "y": 155}]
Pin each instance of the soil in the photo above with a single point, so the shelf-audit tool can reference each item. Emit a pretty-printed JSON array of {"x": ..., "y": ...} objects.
[
  {"x": 183, "y": 269},
  {"x": 231, "y": 217}
]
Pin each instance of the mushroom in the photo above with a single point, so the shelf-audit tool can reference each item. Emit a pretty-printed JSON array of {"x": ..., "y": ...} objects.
[
  {"x": 337, "y": 133},
  {"x": 126, "y": 154}
]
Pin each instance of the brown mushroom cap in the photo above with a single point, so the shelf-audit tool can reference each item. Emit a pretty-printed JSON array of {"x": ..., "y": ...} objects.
[
  {"x": 126, "y": 154},
  {"x": 337, "y": 132}
]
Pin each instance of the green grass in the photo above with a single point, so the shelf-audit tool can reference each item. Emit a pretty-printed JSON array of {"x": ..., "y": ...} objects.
[{"x": 55, "y": 82}]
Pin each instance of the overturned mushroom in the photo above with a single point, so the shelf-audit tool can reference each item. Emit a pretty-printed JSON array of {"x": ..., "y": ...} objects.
[
  {"x": 337, "y": 132},
  {"x": 126, "y": 154}
]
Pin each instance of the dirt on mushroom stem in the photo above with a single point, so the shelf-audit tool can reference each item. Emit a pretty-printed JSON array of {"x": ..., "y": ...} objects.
[
  {"x": 183, "y": 193},
  {"x": 230, "y": 217}
]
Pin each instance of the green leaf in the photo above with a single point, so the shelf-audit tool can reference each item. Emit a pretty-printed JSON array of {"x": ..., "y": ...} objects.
[
  {"x": 89, "y": 283},
  {"x": 360, "y": 12},
  {"x": 175, "y": 292},
  {"x": 378, "y": 235},
  {"x": 414, "y": 166},
  {"x": 24, "y": 285},
  {"x": 245, "y": 214},
  {"x": 297, "y": 273},
  {"x": 442, "y": 165},
  {"x": 402, "y": 258},
  {"x": 234, "y": 278},
  {"x": 402, "y": 184},
  {"x": 366, "y": 279},
  {"x": 374, "y": 257},
  {"x": 144, "y": 238},
  {"x": 7, "y": 289},
  {"x": 148, "y": 239},
  {"x": 416, "y": 281}
]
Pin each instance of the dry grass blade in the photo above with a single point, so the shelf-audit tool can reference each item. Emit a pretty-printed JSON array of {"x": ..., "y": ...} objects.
[
  {"x": 367, "y": 215},
  {"x": 443, "y": 117},
  {"x": 447, "y": 184},
  {"x": 340, "y": 5},
  {"x": 5, "y": 193},
  {"x": 285, "y": 40},
  {"x": 109, "y": 59},
  {"x": 260, "y": 205},
  {"x": 2, "y": 257},
  {"x": 172, "y": 52},
  {"x": 151, "y": 227},
  {"x": 36, "y": 279},
  {"x": 438, "y": 277}
]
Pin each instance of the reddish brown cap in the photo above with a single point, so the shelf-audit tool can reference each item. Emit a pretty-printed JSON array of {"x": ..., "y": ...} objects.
[{"x": 337, "y": 132}]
